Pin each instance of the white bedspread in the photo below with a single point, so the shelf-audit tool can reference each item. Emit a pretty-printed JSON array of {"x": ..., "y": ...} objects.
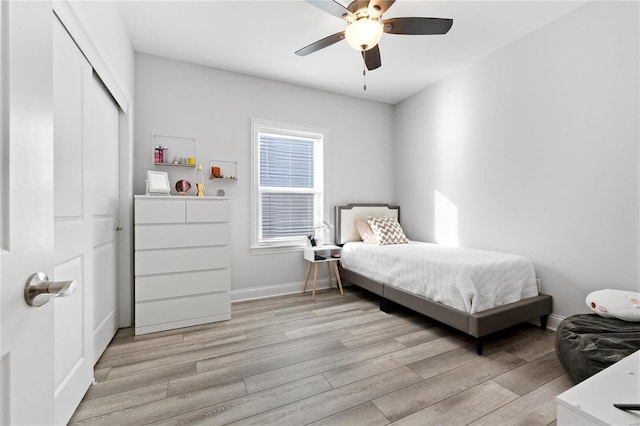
[{"x": 466, "y": 279}]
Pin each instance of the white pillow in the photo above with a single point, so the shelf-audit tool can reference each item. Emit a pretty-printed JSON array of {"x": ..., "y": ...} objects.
[
  {"x": 620, "y": 304},
  {"x": 366, "y": 234}
]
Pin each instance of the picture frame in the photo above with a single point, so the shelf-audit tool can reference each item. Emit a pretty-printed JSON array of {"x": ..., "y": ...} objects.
[{"x": 157, "y": 183}]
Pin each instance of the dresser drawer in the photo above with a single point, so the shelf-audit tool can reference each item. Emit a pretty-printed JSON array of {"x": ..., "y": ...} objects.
[
  {"x": 208, "y": 211},
  {"x": 159, "y": 211},
  {"x": 154, "y": 287},
  {"x": 149, "y": 262},
  {"x": 182, "y": 309},
  {"x": 182, "y": 235}
]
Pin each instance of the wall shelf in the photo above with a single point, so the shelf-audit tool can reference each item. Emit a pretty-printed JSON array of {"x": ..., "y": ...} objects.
[
  {"x": 178, "y": 148},
  {"x": 174, "y": 165},
  {"x": 223, "y": 170}
]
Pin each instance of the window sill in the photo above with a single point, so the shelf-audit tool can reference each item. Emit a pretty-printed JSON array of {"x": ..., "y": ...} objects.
[{"x": 275, "y": 249}]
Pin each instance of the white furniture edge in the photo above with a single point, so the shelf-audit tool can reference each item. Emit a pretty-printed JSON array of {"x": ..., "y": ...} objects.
[
  {"x": 145, "y": 329},
  {"x": 591, "y": 401}
]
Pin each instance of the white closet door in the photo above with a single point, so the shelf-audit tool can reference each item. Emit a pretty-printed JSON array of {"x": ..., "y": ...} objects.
[
  {"x": 73, "y": 233},
  {"x": 104, "y": 193}
]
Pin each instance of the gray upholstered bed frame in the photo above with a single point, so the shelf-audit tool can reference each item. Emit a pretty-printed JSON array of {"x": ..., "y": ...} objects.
[{"x": 477, "y": 325}]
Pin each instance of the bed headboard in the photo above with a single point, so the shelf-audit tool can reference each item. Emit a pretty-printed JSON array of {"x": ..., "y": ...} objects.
[{"x": 345, "y": 218}]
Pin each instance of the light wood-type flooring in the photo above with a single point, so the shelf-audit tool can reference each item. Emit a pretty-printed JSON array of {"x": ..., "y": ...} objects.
[{"x": 336, "y": 361}]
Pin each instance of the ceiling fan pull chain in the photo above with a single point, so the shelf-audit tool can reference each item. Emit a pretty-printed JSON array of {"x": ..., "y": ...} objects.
[
  {"x": 364, "y": 78},
  {"x": 364, "y": 70}
]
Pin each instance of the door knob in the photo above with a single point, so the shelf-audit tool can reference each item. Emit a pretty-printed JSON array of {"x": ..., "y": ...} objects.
[{"x": 39, "y": 290}]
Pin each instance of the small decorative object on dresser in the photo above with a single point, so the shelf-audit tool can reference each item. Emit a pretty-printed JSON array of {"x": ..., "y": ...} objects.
[
  {"x": 157, "y": 183},
  {"x": 183, "y": 187},
  {"x": 200, "y": 182}
]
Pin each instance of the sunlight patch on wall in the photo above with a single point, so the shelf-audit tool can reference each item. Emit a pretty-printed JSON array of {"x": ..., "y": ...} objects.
[{"x": 446, "y": 220}]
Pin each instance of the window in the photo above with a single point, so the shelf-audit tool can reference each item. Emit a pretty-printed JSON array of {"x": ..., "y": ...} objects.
[{"x": 289, "y": 197}]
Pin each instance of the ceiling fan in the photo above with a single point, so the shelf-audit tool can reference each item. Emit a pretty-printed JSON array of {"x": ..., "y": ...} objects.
[{"x": 365, "y": 27}]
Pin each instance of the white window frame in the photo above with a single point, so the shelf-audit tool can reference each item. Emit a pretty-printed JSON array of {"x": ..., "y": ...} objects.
[{"x": 258, "y": 127}]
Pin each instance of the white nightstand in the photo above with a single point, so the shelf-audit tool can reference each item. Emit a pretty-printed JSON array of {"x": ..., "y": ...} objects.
[{"x": 323, "y": 254}]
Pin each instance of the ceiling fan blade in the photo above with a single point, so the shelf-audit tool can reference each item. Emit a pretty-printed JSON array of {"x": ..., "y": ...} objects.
[
  {"x": 331, "y": 7},
  {"x": 321, "y": 44},
  {"x": 417, "y": 26},
  {"x": 372, "y": 58},
  {"x": 378, "y": 7}
]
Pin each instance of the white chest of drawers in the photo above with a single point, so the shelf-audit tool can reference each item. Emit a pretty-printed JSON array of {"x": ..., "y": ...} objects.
[{"x": 182, "y": 261}]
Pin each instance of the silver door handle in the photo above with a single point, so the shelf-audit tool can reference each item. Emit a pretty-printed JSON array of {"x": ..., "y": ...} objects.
[{"x": 39, "y": 290}]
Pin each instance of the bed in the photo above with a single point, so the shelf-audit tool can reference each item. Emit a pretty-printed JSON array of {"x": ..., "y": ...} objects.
[{"x": 492, "y": 291}]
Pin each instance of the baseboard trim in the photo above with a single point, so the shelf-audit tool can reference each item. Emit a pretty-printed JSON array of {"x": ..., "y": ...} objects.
[
  {"x": 554, "y": 321},
  {"x": 253, "y": 293}
]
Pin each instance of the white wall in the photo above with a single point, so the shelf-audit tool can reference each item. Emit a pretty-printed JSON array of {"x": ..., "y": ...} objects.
[
  {"x": 537, "y": 146},
  {"x": 214, "y": 106}
]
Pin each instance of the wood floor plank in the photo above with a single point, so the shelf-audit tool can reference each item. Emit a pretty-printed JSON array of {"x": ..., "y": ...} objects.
[
  {"x": 196, "y": 354},
  {"x": 384, "y": 323},
  {"x": 462, "y": 408},
  {"x": 538, "y": 407},
  {"x": 355, "y": 341},
  {"x": 263, "y": 351},
  {"x": 253, "y": 404},
  {"x": 168, "y": 407},
  {"x": 363, "y": 414},
  {"x": 349, "y": 297},
  {"x": 367, "y": 368},
  {"x": 161, "y": 351},
  {"x": 100, "y": 374},
  {"x": 442, "y": 363},
  {"x": 141, "y": 345},
  {"x": 541, "y": 344},
  {"x": 108, "y": 404},
  {"x": 260, "y": 365},
  {"x": 143, "y": 379},
  {"x": 286, "y": 325},
  {"x": 340, "y": 399},
  {"x": 333, "y": 325},
  {"x": 351, "y": 306},
  {"x": 427, "y": 392},
  {"x": 279, "y": 376},
  {"x": 513, "y": 338},
  {"x": 531, "y": 375},
  {"x": 244, "y": 327},
  {"x": 424, "y": 335}
]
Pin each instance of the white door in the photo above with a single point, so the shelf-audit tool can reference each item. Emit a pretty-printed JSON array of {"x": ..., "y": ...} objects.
[
  {"x": 73, "y": 222},
  {"x": 26, "y": 193},
  {"x": 104, "y": 193}
]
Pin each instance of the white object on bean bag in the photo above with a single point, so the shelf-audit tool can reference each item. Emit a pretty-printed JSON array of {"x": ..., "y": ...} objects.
[{"x": 608, "y": 303}]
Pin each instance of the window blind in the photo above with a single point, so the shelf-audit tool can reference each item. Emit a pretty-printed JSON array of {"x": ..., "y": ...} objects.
[{"x": 287, "y": 187}]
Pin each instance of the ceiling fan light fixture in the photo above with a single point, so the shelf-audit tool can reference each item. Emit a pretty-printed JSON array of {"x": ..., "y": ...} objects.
[{"x": 364, "y": 33}]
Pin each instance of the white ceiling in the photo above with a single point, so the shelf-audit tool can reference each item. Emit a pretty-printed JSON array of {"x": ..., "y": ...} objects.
[{"x": 260, "y": 37}]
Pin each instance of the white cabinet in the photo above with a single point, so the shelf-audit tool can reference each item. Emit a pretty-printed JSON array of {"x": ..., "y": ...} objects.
[
  {"x": 591, "y": 401},
  {"x": 182, "y": 261}
]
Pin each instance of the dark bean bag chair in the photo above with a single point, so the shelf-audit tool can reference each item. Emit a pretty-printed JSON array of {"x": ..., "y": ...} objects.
[{"x": 588, "y": 343}]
